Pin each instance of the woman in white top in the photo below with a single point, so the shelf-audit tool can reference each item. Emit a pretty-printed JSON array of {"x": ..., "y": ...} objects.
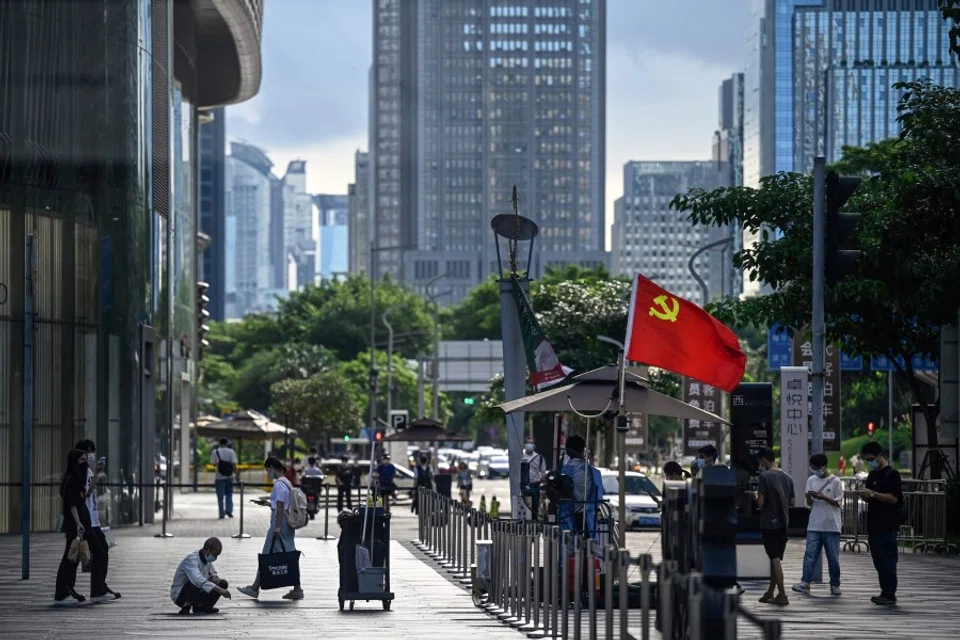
[
  {"x": 824, "y": 495},
  {"x": 280, "y": 536}
]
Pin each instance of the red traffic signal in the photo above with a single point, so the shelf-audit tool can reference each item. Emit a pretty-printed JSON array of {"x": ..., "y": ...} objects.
[
  {"x": 870, "y": 428},
  {"x": 379, "y": 436}
]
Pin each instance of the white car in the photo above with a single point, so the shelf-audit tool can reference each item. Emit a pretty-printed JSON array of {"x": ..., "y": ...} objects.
[{"x": 643, "y": 511}]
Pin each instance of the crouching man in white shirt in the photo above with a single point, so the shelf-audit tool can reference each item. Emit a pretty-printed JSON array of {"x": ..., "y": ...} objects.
[{"x": 196, "y": 584}]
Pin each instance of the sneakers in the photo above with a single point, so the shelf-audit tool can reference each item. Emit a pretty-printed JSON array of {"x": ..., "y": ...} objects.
[
  {"x": 835, "y": 591},
  {"x": 882, "y": 600},
  {"x": 780, "y": 600},
  {"x": 250, "y": 592},
  {"x": 69, "y": 601},
  {"x": 801, "y": 587},
  {"x": 295, "y": 594},
  {"x": 109, "y": 596}
]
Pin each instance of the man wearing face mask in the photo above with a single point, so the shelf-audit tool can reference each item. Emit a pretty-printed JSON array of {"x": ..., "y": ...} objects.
[
  {"x": 707, "y": 457},
  {"x": 195, "y": 582},
  {"x": 775, "y": 496},
  {"x": 883, "y": 492},
  {"x": 423, "y": 479},
  {"x": 532, "y": 469},
  {"x": 824, "y": 493}
]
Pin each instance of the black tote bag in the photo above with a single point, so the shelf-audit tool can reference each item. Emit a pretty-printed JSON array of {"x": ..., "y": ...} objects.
[{"x": 279, "y": 569}]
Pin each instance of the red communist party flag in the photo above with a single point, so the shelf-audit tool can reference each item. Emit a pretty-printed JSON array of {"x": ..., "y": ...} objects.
[{"x": 674, "y": 334}]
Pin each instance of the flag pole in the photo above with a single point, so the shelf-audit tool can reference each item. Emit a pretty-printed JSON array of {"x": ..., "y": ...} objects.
[{"x": 621, "y": 420}]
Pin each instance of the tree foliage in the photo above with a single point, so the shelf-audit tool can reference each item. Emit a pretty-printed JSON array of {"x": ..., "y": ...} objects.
[
  {"x": 905, "y": 288},
  {"x": 319, "y": 406}
]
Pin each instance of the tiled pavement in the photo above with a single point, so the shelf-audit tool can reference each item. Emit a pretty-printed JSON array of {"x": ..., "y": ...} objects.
[{"x": 141, "y": 568}]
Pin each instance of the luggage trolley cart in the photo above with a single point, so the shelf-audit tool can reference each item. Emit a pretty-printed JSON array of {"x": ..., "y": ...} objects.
[{"x": 372, "y": 583}]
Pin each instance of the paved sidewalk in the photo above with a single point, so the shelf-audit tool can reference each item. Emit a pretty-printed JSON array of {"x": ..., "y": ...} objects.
[{"x": 141, "y": 568}]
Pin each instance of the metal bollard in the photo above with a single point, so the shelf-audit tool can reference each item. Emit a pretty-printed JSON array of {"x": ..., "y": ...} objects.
[
  {"x": 166, "y": 509},
  {"x": 241, "y": 535},
  {"x": 579, "y": 546},
  {"x": 549, "y": 583},
  {"x": 538, "y": 587},
  {"x": 526, "y": 567},
  {"x": 516, "y": 562},
  {"x": 559, "y": 562},
  {"x": 646, "y": 565},
  {"x": 609, "y": 567},
  {"x": 566, "y": 546},
  {"x": 591, "y": 586},
  {"x": 326, "y": 518},
  {"x": 695, "y": 606},
  {"x": 731, "y": 604},
  {"x": 623, "y": 564}
]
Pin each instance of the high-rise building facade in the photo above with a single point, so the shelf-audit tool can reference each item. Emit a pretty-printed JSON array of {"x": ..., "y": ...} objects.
[
  {"x": 472, "y": 97},
  {"x": 250, "y": 198},
  {"x": 211, "y": 197},
  {"x": 819, "y": 76},
  {"x": 725, "y": 280},
  {"x": 331, "y": 234},
  {"x": 98, "y": 169},
  {"x": 358, "y": 216},
  {"x": 651, "y": 238}
]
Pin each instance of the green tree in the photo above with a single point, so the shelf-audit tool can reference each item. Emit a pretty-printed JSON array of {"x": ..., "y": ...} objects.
[
  {"x": 336, "y": 314},
  {"x": 405, "y": 386},
  {"x": 318, "y": 407},
  {"x": 251, "y": 385},
  {"x": 905, "y": 288}
]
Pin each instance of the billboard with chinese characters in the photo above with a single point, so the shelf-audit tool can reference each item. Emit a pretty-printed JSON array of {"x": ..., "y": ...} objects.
[
  {"x": 751, "y": 424},
  {"x": 636, "y": 438},
  {"x": 697, "y": 434},
  {"x": 803, "y": 357},
  {"x": 794, "y": 424}
]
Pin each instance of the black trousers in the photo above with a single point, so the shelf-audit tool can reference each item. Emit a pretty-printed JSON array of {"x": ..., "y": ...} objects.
[
  {"x": 200, "y": 599},
  {"x": 344, "y": 493},
  {"x": 67, "y": 573}
]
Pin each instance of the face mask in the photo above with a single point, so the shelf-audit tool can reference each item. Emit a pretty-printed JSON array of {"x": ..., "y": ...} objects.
[
  {"x": 701, "y": 463},
  {"x": 423, "y": 461},
  {"x": 210, "y": 558},
  {"x": 873, "y": 464},
  {"x": 818, "y": 472},
  {"x": 528, "y": 448}
]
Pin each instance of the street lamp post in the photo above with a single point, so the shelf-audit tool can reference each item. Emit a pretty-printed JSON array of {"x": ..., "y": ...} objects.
[
  {"x": 433, "y": 297},
  {"x": 389, "y": 359},
  {"x": 705, "y": 292}
]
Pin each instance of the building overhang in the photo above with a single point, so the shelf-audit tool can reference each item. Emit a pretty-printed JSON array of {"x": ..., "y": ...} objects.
[{"x": 229, "y": 64}]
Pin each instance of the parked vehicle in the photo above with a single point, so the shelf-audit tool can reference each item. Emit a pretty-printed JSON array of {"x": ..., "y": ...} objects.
[{"x": 641, "y": 497}]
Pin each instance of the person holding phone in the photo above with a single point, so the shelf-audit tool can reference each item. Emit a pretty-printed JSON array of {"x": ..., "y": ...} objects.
[{"x": 824, "y": 494}]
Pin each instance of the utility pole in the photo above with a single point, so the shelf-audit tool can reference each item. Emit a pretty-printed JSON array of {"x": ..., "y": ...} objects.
[
  {"x": 433, "y": 297},
  {"x": 421, "y": 383},
  {"x": 389, "y": 360},
  {"x": 819, "y": 256}
]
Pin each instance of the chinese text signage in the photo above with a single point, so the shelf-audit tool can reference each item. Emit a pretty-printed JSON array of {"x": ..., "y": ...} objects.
[
  {"x": 794, "y": 424},
  {"x": 636, "y": 438},
  {"x": 751, "y": 419},
  {"x": 698, "y": 434},
  {"x": 803, "y": 357}
]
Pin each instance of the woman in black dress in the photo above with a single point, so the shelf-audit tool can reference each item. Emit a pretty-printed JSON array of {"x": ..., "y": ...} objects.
[{"x": 76, "y": 524}]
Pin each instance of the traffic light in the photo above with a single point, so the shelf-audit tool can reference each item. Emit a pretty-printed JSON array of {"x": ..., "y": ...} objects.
[
  {"x": 468, "y": 401},
  {"x": 346, "y": 438},
  {"x": 379, "y": 435},
  {"x": 839, "y": 261},
  {"x": 203, "y": 317},
  {"x": 870, "y": 428}
]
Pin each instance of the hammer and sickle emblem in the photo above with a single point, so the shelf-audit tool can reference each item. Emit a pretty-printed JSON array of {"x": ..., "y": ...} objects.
[{"x": 665, "y": 312}]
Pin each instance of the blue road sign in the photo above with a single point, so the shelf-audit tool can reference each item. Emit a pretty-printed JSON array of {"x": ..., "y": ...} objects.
[
  {"x": 883, "y": 363},
  {"x": 779, "y": 349},
  {"x": 850, "y": 363}
]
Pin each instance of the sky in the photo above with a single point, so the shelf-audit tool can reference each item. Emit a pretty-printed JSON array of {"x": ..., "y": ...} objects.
[{"x": 665, "y": 62}]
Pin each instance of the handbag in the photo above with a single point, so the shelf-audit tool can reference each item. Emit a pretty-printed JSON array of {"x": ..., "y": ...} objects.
[
  {"x": 79, "y": 551},
  {"x": 279, "y": 569}
]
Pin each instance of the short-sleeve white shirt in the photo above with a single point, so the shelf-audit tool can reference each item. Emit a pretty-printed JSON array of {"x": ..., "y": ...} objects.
[
  {"x": 280, "y": 493},
  {"x": 825, "y": 517}
]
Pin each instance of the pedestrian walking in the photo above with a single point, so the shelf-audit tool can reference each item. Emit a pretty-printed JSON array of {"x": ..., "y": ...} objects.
[
  {"x": 280, "y": 534},
  {"x": 775, "y": 496},
  {"x": 224, "y": 460},
  {"x": 196, "y": 584},
  {"x": 97, "y": 540},
  {"x": 823, "y": 495},
  {"x": 464, "y": 482},
  {"x": 883, "y": 493},
  {"x": 76, "y": 526},
  {"x": 532, "y": 469},
  {"x": 344, "y": 484},
  {"x": 423, "y": 479}
]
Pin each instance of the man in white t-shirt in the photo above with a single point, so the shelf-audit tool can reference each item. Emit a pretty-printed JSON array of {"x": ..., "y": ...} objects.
[
  {"x": 532, "y": 469},
  {"x": 824, "y": 495}
]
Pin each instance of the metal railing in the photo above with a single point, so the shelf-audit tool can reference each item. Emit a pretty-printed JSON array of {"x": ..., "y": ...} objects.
[
  {"x": 926, "y": 526},
  {"x": 553, "y": 583}
]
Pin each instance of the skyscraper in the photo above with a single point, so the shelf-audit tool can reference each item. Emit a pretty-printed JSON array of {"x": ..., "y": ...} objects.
[
  {"x": 472, "y": 97},
  {"x": 331, "y": 235},
  {"x": 652, "y": 239},
  {"x": 725, "y": 280},
  {"x": 358, "y": 216},
  {"x": 211, "y": 152}
]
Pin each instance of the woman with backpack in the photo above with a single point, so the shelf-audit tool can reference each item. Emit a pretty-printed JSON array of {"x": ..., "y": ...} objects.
[{"x": 280, "y": 536}]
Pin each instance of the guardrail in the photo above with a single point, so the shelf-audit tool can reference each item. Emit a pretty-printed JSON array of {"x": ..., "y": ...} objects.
[
  {"x": 549, "y": 583},
  {"x": 925, "y": 530}
]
